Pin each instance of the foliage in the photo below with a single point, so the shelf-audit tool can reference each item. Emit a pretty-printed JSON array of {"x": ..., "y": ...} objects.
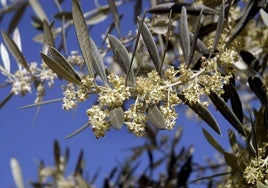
[{"x": 194, "y": 54}]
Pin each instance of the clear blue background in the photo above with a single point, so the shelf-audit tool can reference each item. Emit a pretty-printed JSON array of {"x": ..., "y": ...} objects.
[{"x": 30, "y": 139}]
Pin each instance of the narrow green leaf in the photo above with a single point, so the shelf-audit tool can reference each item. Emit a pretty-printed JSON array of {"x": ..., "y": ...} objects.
[
  {"x": 116, "y": 117},
  {"x": 77, "y": 131},
  {"x": 232, "y": 161},
  {"x": 82, "y": 35},
  {"x": 13, "y": 48},
  {"x": 98, "y": 15},
  {"x": 232, "y": 141},
  {"x": 98, "y": 64},
  {"x": 41, "y": 103},
  {"x": 150, "y": 45},
  {"x": 16, "y": 172},
  {"x": 64, "y": 15},
  {"x": 185, "y": 36},
  {"x": 57, "y": 154},
  {"x": 156, "y": 117},
  {"x": 219, "y": 29},
  {"x": 79, "y": 164},
  {"x": 17, "y": 17},
  {"x": 6, "y": 99},
  {"x": 60, "y": 60},
  {"x": 114, "y": 11},
  {"x": 121, "y": 56},
  {"x": 212, "y": 141},
  {"x": 48, "y": 36},
  {"x": 203, "y": 113},
  {"x": 59, "y": 70},
  {"x": 235, "y": 102},
  {"x": 227, "y": 112},
  {"x": 38, "y": 10}
]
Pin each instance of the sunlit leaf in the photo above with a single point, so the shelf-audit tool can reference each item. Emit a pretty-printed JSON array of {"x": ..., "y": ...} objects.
[
  {"x": 264, "y": 16},
  {"x": 156, "y": 117},
  {"x": 227, "y": 112},
  {"x": 82, "y": 35},
  {"x": 5, "y": 57},
  {"x": 212, "y": 141},
  {"x": 16, "y": 38},
  {"x": 97, "y": 16},
  {"x": 59, "y": 69},
  {"x": 48, "y": 36},
  {"x": 185, "y": 36},
  {"x": 203, "y": 113},
  {"x": 15, "y": 51},
  {"x": 150, "y": 45},
  {"x": 41, "y": 103},
  {"x": 16, "y": 172},
  {"x": 38, "y": 10},
  {"x": 116, "y": 117}
]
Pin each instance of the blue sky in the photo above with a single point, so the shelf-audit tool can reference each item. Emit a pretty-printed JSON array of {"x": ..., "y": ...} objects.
[{"x": 29, "y": 139}]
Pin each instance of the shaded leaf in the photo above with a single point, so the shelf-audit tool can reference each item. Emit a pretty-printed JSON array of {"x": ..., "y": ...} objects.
[
  {"x": 64, "y": 15},
  {"x": 184, "y": 172},
  {"x": 177, "y": 136},
  {"x": 232, "y": 161},
  {"x": 150, "y": 45},
  {"x": 98, "y": 64},
  {"x": 15, "y": 51},
  {"x": 156, "y": 117},
  {"x": 235, "y": 102},
  {"x": 121, "y": 56},
  {"x": 219, "y": 28},
  {"x": 79, "y": 164},
  {"x": 138, "y": 7},
  {"x": 116, "y": 117},
  {"x": 82, "y": 35},
  {"x": 77, "y": 131},
  {"x": 258, "y": 88},
  {"x": 17, "y": 17},
  {"x": 250, "y": 60},
  {"x": 227, "y": 112},
  {"x": 198, "y": 45},
  {"x": 57, "y": 154},
  {"x": 16, "y": 172},
  {"x": 6, "y": 99},
  {"x": 203, "y": 113},
  {"x": 212, "y": 141},
  {"x": 232, "y": 141},
  {"x": 81, "y": 182},
  {"x": 185, "y": 36},
  {"x": 48, "y": 36},
  {"x": 60, "y": 70},
  {"x": 115, "y": 15}
]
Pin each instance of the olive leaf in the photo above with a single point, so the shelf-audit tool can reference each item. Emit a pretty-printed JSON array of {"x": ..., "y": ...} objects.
[
  {"x": 15, "y": 51},
  {"x": 17, "y": 17},
  {"x": 16, "y": 172},
  {"x": 38, "y": 10},
  {"x": 227, "y": 112},
  {"x": 185, "y": 36},
  {"x": 77, "y": 131},
  {"x": 116, "y": 117},
  {"x": 6, "y": 99},
  {"x": 48, "y": 36},
  {"x": 150, "y": 45},
  {"x": 232, "y": 161},
  {"x": 82, "y": 35},
  {"x": 233, "y": 140},
  {"x": 121, "y": 56},
  {"x": 156, "y": 117},
  {"x": 212, "y": 141},
  {"x": 60, "y": 70},
  {"x": 203, "y": 113},
  {"x": 57, "y": 155},
  {"x": 114, "y": 11},
  {"x": 258, "y": 88}
]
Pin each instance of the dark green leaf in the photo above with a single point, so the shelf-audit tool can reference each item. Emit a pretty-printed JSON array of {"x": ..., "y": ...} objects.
[
  {"x": 219, "y": 28},
  {"x": 98, "y": 64},
  {"x": 227, "y": 112},
  {"x": 121, "y": 56},
  {"x": 17, "y": 17},
  {"x": 57, "y": 154},
  {"x": 185, "y": 36},
  {"x": 64, "y": 15},
  {"x": 232, "y": 161},
  {"x": 150, "y": 45},
  {"x": 6, "y": 99},
  {"x": 203, "y": 113},
  {"x": 117, "y": 117},
  {"x": 60, "y": 60},
  {"x": 114, "y": 11},
  {"x": 77, "y": 131},
  {"x": 235, "y": 102},
  {"x": 258, "y": 88},
  {"x": 261, "y": 127},
  {"x": 15, "y": 51},
  {"x": 79, "y": 164},
  {"x": 60, "y": 70},
  {"x": 250, "y": 60},
  {"x": 199, "y": 45},
  {"x": 212, "y": 141},
  {"x": 156, "y": 117},
  {"x": 177, "y": 136},
  {"x": 48, "y": 36},
  {"x": 82, "y": 35},
  {"x": 233, "y": 141}
]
